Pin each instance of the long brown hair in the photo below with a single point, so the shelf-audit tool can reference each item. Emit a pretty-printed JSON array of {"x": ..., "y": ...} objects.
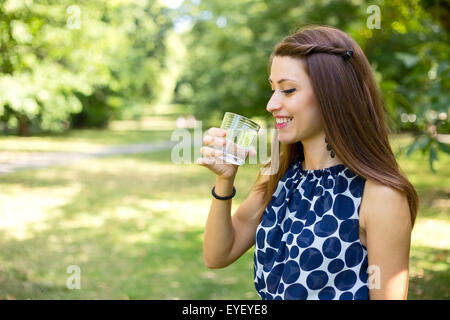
[{"x": 351, "y": 109}]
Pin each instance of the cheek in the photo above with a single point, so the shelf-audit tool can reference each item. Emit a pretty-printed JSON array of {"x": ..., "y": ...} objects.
[
  {"x": 308, "y": 114},
  {"x": 306, "y": 108}
]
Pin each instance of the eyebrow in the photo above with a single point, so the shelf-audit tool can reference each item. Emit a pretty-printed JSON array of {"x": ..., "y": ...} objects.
[{"x": 281, "y": 80}]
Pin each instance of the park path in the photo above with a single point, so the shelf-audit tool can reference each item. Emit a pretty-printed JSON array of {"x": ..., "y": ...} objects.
[{"x": 13, "y": 161}]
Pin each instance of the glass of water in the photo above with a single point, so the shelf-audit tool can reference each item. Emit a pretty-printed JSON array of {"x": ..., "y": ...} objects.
[{"x": 241, "y": 132}]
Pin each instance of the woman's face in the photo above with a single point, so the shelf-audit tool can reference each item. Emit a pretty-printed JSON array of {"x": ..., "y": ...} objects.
[{"x": 293, "y": 98}]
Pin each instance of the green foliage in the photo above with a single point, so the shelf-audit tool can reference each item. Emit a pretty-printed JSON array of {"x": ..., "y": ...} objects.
[
  {"x": 68, "y": 65},
  {"x": 60, "y": 58}
]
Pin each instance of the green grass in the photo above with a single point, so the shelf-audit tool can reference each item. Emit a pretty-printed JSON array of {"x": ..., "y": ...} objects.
[
  {"x": 154, "y": 128},
  {"x": 134, "y": 225}
]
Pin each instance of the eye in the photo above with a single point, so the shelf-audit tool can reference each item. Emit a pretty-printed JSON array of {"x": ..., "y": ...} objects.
[{"x": 286, "y": 91}]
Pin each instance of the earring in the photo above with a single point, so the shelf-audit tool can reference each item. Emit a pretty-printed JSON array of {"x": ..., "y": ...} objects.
[{"x": 329, "y": 147}]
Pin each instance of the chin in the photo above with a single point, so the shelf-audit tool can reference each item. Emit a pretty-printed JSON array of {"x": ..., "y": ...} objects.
[{"x": 286, "y": 139}]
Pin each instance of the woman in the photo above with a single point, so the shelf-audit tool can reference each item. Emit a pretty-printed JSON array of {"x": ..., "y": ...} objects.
[{"x": 335, "y": 220}]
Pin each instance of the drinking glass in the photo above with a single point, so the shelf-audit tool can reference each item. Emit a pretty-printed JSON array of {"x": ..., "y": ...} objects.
[{"x": 241, "y": 132}]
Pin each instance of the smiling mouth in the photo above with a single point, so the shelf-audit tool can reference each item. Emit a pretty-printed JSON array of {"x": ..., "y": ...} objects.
[{"x": 283, "y": 120}]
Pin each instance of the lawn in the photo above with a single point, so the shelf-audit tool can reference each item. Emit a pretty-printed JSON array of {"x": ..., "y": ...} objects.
[
  {"x": 85, "y": 140},
  {"x": 134, "y": 225}
]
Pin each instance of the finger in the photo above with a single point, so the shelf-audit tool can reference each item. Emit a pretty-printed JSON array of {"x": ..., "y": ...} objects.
[
  {"x": 208, "y": 160},
  {"x": 210, "y": 152},
  {"x": 218, "y": 132},
  {"x": 214, "y": 141},
  {"x": 204, "y": 161}
]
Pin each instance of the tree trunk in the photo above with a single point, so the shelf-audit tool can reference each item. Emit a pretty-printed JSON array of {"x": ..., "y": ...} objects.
[{"x": 23, "y": 125}]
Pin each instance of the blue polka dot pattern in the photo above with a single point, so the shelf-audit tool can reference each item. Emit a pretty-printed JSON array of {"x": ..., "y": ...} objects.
[{"x": 307, "y": 244}]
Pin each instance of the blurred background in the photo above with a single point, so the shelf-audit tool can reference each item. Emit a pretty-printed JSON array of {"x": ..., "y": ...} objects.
[{"x": 91, "y": 92}]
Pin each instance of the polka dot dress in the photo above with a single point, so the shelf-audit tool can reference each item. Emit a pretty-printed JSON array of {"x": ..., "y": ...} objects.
[{"x": 307, "y": 243}]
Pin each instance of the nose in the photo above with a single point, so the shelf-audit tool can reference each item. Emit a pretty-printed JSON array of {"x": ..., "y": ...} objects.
[{"x": 273, "y": 104}]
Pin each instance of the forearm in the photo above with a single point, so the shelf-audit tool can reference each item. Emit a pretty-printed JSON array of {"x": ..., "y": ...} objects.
[{"x": 219, "y": 233}]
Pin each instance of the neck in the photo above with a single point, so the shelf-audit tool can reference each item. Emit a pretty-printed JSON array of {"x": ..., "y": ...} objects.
[{"x": 317, "y": 155}]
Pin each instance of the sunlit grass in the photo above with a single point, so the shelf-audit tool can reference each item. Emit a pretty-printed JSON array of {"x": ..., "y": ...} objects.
[
  {"x": 149, "y": 129},
  {"x": 134, "y": 225},
  {"x": 109, "y": 218}
]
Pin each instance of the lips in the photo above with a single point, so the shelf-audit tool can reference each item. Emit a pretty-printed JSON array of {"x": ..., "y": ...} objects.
[
  {"x": 283, "y": 124},
  {"x": 279, "y": 117}
]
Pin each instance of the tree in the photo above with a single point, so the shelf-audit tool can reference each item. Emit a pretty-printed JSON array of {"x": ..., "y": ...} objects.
[{"x": 93, "y": 58}]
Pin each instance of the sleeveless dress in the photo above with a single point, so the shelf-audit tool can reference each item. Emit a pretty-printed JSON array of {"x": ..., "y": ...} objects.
[{"x": 307, "y": 244}]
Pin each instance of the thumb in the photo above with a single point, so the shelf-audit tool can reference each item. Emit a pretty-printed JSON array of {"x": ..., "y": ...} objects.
[{"x": 252, "y": 152}]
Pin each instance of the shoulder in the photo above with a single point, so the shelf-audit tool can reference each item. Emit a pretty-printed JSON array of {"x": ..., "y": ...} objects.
[
  {"x": 383, "y": 205},
  {"x": 374, "y": 188}
]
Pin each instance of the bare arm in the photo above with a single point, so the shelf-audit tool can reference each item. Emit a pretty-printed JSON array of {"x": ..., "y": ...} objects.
[
  {"x": 228, "y": 237},
  {"x": 388, "y": 227}
]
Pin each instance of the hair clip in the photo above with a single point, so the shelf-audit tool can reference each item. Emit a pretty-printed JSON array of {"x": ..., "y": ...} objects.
[{"x": 348, "y": 55}]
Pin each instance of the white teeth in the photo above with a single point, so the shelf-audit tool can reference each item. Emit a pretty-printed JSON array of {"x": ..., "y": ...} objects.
[{"x": 283, "y": 120}]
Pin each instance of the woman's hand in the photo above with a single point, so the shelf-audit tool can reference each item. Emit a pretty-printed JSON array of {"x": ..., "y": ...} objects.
[{"x": 216, "y": 139}]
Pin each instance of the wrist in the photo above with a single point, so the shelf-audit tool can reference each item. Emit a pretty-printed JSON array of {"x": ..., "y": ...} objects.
[
  {"x": 220, "y": 197},
  {"x": 224, "y": 186},
  {"x": 226, "y": 180}
]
